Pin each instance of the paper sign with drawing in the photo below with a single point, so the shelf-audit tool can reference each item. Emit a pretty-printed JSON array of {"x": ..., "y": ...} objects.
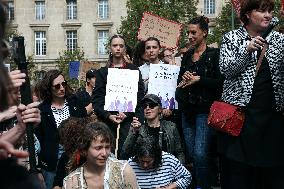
[
  {"x": 163, "y": 83},
  {"x": 121, "y": 90}
]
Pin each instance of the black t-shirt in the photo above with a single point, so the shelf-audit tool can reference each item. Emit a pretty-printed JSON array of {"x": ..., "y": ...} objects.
[
  {"x": 260, "y": 142},
  {"x": 154, "y": 131}
]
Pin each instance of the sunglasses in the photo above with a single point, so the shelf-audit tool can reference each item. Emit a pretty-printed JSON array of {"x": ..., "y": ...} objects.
[
  {"x": 63, "y": 84},
  {"x": 150, "y": 104}
]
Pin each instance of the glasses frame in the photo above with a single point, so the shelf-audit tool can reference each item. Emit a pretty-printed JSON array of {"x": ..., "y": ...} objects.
[
  {"x": 57, "y": 86},
  {"x": 151, "y": 105}
]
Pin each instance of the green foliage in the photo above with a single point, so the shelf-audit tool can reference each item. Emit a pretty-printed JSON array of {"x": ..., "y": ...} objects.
[
  {"x": 177, "y": 10},
  {"x": 223, "y": 24},
  {"x": 278, "y": 14},
  {"x": 63, "y": 63}
]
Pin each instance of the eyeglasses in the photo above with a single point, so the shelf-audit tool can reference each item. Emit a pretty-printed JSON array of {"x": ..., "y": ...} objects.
[
  {"x": 150, "y": 104},
  {"x": 57, "y": 86}
]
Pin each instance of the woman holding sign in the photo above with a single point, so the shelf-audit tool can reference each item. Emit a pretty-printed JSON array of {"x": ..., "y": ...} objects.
[
  {"x": 199, "y": 84},
  {"x": 114, "y": 118},
  {"x": 165, "y": 131}
]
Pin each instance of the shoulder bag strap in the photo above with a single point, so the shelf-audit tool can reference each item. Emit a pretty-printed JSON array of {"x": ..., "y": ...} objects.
[{"x": 261, "y": 58}]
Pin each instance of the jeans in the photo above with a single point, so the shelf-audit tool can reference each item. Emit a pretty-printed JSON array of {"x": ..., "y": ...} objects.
[
  {"x": 48, "y": 178},
  {"x": 199, "y": 142}
]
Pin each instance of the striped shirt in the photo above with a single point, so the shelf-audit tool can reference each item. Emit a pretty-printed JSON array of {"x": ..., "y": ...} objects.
[{"x": 170, "y": 171}]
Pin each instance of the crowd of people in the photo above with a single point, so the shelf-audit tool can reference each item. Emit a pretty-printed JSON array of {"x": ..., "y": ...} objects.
[{"x": 83, "y": 145}]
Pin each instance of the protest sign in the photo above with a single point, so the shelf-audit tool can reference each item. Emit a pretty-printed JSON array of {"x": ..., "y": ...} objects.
[
  {"x": 85, "y": 66},
  {"x": 121, "y": 90},
  {"x": 163, "y": 83},
  {"x": 74, "y": 67},
  {"x": 167, "y": 31}
]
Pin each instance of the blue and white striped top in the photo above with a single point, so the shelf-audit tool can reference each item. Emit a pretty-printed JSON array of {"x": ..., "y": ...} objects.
[{"x": 170, "y": 171}]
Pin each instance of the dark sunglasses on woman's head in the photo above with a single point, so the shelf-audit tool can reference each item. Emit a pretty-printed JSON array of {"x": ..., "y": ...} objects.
[
  {"x": 57, "y": 86},
  {"x": 150, "y": 104}
]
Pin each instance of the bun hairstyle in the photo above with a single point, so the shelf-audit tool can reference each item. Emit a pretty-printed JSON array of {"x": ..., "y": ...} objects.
[{"x": 202, "y": 21}]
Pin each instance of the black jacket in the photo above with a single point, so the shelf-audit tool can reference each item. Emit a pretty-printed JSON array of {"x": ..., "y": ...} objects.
[
  {"x": 169, "y": 134},
  {"x": 47, "y": 132},
  {"x": 198, "y": 97},
  {"x": 99, "y": 93}
]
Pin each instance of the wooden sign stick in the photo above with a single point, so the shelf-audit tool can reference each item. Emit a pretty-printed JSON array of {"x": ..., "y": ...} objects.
[{"x": 117, "y": 140}]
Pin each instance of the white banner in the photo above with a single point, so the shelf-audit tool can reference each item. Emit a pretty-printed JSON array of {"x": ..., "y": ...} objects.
[
  {"x": 121, "y": 90},
  {"x": 163, "y": 83}
]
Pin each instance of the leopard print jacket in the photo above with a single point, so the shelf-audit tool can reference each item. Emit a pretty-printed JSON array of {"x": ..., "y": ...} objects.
[{"x": 239, "y": 66}]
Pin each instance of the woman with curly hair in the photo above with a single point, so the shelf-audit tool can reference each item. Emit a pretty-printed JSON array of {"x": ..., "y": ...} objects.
[
  {"x": 93, "y": 166},
  {"x": 70, "y": 132},
  {"x": 58, "y": 104}
]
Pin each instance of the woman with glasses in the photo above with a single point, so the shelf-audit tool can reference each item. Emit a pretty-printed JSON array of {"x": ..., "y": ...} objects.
[
  {"x": 165, "y": 131},
  {"x": 254, "y": 159},
  {"x": 167, "y": 56},
  {"x": 58, "y": 104},
  {"x": 114, "y": 118}
]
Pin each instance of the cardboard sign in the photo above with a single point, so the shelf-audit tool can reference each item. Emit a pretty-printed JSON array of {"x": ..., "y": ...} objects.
[
  {"x": 167, "y": 31},
  {"x": 85, "y": 66},
  {"x": 163, "y": 83},
  {"x": 121, "y": 90}
]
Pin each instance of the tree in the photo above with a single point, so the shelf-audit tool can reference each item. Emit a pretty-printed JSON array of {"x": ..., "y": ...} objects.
[
  {"x": 224, "y": 22},
  {"x": 63, "y": 63},
  {"x": 177, "y": 10},
  {"x": 278, "y": 14}
]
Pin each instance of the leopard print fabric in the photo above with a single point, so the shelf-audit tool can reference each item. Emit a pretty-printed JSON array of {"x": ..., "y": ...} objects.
[{"x": 238, "y": 66}]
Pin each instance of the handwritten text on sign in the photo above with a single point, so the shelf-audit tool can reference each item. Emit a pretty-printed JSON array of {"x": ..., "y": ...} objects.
[
  {"x": 121, "y": 90},
  {"x": 163, "y": 83},
  {"x": 168, "y": 32}
]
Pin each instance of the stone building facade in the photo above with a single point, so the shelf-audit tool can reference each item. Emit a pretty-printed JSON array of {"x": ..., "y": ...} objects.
[{"x": 51, "y": 26}]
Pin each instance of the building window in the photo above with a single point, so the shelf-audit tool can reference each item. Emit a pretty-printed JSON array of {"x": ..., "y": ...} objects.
[
  {"x": 40, "y": 10},
  {"x": 103, "y": 9},
  {"x": 209, "y": 6},
  {"x": 103, "y": 36},
  {"x": 10, "y": 10},
  {"x": 71, "y": 9},
  {"x": 40, "y": 43},
  {"x": 71, "y": 40}
]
